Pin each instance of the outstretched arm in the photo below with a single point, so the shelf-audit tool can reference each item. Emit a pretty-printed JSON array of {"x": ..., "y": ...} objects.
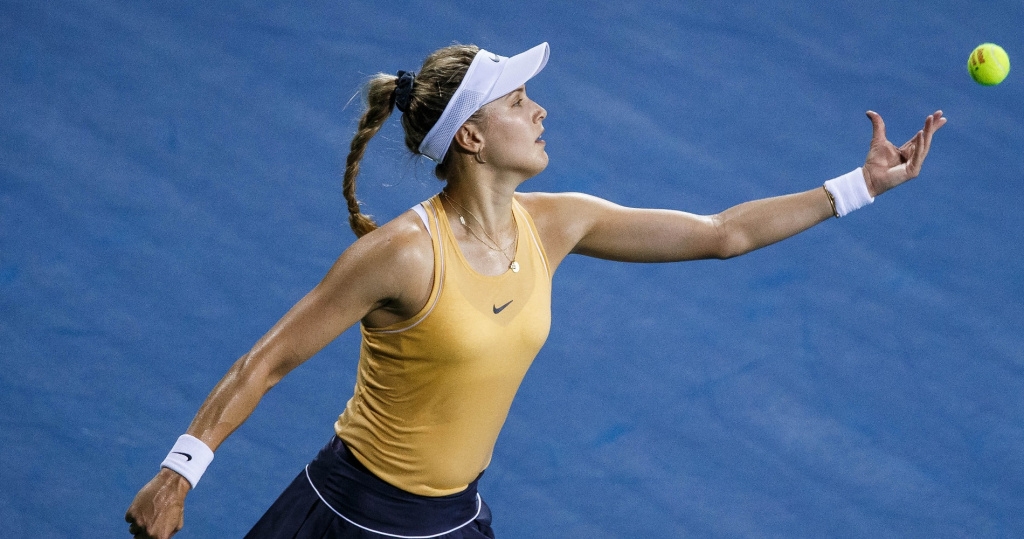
[{"x": 594, "y": 227}]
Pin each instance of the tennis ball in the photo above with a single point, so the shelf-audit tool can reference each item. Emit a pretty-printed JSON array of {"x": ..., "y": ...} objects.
[{"x": 988, "y": 64}]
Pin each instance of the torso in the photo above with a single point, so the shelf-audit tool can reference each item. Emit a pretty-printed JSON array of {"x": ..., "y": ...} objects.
[{"x": 433, "y": 390}]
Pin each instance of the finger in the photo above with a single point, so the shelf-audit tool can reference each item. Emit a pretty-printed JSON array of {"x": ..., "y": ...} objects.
[
  {"x": 920, "y": 151},
  {"x": 922, "y": 139},
  {"x": 877, "y": 126},
  {"x": 931, "y": 125},
  {"x": 926, "y": 134},
  {"x": 916, "y": 149},
  {"x": 908, "y": 150},
  {"x": 907, "y": 145},
  {"x": 933, "y": 122}
]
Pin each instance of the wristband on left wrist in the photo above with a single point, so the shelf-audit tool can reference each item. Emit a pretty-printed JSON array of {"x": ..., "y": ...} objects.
[{"x": 848, "y": 192}]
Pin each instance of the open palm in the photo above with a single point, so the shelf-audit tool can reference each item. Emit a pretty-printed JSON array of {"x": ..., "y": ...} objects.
[{"x": 886, "y": 165}]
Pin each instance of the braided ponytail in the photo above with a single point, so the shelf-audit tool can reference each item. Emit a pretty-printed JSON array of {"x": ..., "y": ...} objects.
[
  {"x": 423, "y": 103},
  {"x": 378, "y": 108}
]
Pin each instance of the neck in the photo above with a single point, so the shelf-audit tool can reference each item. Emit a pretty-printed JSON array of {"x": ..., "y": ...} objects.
[{"x": 488, "y": 203}]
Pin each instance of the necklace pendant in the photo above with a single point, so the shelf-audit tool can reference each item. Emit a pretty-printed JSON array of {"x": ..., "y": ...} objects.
[
  {"x": 462, "y": 220},
  {"x": 514, "y": 266}
]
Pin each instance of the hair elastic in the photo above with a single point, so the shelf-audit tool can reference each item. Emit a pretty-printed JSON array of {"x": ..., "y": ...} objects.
[{"x": 403, "y": 90}]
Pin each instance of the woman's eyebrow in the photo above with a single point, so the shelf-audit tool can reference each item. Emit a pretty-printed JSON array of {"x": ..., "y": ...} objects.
[{"x": 516, "y": 93}]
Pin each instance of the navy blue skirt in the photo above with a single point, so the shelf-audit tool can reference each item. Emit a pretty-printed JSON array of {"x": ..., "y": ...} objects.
[{"x": 336, "y": 497}]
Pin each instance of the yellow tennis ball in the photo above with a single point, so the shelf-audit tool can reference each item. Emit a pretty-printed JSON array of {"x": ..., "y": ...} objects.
[{"x": 988, "y": 64}]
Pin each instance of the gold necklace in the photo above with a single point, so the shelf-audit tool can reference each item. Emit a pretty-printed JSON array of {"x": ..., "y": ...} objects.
[{"x": 513, "y": 265}]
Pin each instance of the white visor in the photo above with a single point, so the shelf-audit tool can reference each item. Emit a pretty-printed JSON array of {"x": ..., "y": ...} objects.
[{"x": 489, "y": 77}]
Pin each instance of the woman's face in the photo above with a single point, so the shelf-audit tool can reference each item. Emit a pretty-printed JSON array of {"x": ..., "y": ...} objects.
[{"x": 511, "y": 129}]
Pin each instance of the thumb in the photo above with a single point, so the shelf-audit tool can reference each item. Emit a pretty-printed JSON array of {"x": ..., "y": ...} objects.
[{"x": 877, "y": 126}]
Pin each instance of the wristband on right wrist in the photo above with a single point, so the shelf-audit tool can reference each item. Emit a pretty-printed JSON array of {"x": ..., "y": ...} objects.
[
  {"x": 189, "y": 457},
  {"x": 848, "y": 192}
]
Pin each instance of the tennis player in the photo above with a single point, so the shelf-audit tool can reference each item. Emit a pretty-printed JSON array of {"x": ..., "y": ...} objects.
[{"x": 453, "y": 298}]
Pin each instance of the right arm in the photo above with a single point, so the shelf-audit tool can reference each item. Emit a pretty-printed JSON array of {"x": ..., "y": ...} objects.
[{"x": 356, "y": 287}]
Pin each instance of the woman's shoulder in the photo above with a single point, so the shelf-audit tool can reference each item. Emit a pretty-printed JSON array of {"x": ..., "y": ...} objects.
[
  {"x": 561, "y": 208},
  {"x": 561, "y": 219},
  {"x": 394, "y": 265},
  {"x": 401, "y": 242}
]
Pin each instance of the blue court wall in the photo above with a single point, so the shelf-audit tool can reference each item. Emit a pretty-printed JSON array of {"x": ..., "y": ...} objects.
[{"x": 170, "y": 186}]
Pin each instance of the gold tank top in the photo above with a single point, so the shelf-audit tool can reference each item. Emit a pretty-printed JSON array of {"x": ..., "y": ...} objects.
[{"x": 432, "y": 392}]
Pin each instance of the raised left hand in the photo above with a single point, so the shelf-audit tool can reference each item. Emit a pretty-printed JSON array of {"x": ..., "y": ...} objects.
[{"x": 886, "y": 165}]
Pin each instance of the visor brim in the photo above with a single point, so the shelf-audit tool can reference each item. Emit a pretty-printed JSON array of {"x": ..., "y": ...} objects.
[{"x": 518, "y": 70}]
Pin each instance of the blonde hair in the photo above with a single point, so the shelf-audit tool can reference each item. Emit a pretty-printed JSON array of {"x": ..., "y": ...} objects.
[{"x": 437, "y": 81}]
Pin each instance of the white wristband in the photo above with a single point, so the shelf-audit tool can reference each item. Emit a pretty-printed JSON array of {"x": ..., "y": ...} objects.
[
  {"x": 849, "y": 191},
  {"x": 189, "y": 457}
]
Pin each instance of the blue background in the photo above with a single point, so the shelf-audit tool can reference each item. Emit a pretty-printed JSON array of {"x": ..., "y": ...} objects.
[{"x": 170, "y": 186}]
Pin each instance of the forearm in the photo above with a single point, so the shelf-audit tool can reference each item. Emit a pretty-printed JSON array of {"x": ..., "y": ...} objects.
[
  {"x": 759, "y": 223},
  {"x": 157, "y": 510},
  {"x": 312, "y": 323},
  {"x": 332, "y": 306},
  {"x": 231, "y": 401}
]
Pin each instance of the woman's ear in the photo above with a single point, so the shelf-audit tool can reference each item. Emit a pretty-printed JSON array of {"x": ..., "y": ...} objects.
[{"x": 469, "y": 138}]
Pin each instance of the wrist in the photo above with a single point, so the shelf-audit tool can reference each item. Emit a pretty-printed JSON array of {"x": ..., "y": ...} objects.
[
  {"x": 848, "y": 192},
  {"x": 174, "y": 480},
  {"x": 869, "y": 182},
  {"x": 189, "y": 458}
]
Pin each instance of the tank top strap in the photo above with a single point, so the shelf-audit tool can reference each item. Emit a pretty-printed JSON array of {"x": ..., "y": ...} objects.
[{"x": 523, "y": 216}]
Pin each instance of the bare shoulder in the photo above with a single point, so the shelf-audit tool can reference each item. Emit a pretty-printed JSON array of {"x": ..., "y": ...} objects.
[
  {"x": 402, "y": 242},
  {"x": 398, "y": 258},
  {"x": 562, "y": 219},
  {"x": 562, "y": 208}
]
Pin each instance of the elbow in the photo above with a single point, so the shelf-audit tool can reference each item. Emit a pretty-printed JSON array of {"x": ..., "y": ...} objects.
[
  {"x": 726, "y": 254},
  {"x": 729, "y": 242},
  {"x": 256, "y": 372},
  {"x": 733, "y": 248}
]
